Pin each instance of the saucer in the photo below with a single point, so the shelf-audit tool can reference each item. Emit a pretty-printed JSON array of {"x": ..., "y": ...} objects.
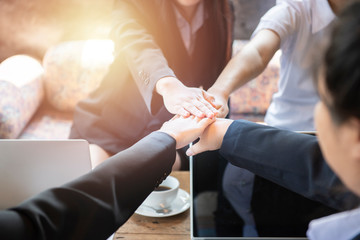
[{"x": 179, "y": 205}]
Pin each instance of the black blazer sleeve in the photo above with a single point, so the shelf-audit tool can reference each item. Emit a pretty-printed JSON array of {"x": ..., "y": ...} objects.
[
  {"x": 133, "y": 33},
  {"x": 95, "y": 205},
  {"x": 290, "y": 159}
]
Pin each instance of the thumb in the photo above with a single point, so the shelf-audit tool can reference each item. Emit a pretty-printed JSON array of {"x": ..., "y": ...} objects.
[
  {"x": 209, "y": 97},
  {"x": 194, "y": 149}
]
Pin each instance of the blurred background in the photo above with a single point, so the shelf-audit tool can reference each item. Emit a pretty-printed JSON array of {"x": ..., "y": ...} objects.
[{"x": 31, "y": 27}]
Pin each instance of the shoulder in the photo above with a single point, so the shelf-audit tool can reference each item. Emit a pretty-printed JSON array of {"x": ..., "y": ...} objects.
[
  {"x": 298, "y": 8},
  {"x": 286, "y": 17},
  {"x": 291, "y": 8}
]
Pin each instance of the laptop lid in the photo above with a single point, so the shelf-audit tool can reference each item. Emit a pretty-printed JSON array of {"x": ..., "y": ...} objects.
[
  {"x": 28, "y": 167},
  {"x": 205, "y": 174}
]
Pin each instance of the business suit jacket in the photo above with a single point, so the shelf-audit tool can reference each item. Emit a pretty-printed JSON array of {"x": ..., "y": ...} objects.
[
  {"x": 149, "y": 47},
  {"x": 96, "y": 205},
  {"x": 289, "y": 159}
]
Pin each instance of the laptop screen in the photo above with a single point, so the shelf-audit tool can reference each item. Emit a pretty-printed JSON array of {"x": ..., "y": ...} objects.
[
  {"x": 28, "y": 167},
  {"x": 278, "y": 212}
]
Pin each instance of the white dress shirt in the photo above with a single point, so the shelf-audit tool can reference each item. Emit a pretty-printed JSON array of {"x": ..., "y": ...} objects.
[
  {"x": 298, "y": 23},
  {"x": 344, "y": 225},
  {"x": 187, "y": 29}
]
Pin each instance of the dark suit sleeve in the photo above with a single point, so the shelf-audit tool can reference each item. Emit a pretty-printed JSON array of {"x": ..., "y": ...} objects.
[
  {"x": 97, "y": 204},
  {"x": 136, "y": 44},
  {"x": 290, "y": 159}
]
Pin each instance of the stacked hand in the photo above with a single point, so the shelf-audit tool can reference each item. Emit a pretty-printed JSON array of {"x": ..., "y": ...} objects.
[
  {"x": 187, "y": 129},
  {"x": 211, "y": 138},
  {"x": 220, "y": 101},
  {"x": 197, "y": 113},
  {"x": 185, "y": 101}
]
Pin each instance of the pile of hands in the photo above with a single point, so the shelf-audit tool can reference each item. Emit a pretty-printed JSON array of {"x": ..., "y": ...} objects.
[{"x": 198, "y": 114}]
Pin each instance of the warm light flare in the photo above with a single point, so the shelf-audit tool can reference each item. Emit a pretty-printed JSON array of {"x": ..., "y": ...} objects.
[
  {"x": 97, "y": 51},
  {"x": 20, "y": 70}
]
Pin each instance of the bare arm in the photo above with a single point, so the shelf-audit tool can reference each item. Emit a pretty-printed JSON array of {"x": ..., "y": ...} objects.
[{"x": 246, "y": 65}]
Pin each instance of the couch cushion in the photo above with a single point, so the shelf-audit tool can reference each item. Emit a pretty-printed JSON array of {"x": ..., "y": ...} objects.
[
  {"x": 73, "y": 69},
  {"x": 21, "y": 93},
  {"x": 255, "y": 96},
  {"x": 48, "y": 123}
]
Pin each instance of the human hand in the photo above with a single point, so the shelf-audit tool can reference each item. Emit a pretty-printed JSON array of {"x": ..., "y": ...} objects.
[
  {"x": 185, "y": 101},
  {"x": 211, "y": 138},
  {"x": 220, "y": 102},
  {"x": 185, "y": 130}
]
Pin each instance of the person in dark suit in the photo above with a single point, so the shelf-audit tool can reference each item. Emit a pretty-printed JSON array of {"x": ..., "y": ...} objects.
[
  {"x": 323, "y": 168},
  {"x": 165, "y": 52},
  {"x": 95, "y": 205}
]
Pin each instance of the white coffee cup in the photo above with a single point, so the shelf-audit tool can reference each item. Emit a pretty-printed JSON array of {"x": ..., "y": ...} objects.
[{"x": 164, "y": 195}]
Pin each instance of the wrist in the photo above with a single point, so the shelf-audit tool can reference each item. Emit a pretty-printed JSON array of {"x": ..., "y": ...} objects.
[
  {"x": 170, "y": 133},
  {"x": 166, "y": 84},
  {"x": 218, "y": 92},
  {"x": 221, "y": 129}
]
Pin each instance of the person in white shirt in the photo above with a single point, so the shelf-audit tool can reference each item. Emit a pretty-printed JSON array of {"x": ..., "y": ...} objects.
[
  {"x": 303, "y": 163},
  {"x": 291, "y": 26}
]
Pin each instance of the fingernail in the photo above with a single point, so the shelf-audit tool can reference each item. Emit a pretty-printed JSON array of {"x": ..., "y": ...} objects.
[{"x": 189, "y": 152}]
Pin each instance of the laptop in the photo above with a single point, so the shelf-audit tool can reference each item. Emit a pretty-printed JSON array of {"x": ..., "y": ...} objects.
[
  {"x": 207, "y": 222},
  {"x": 28, "y": 167}
]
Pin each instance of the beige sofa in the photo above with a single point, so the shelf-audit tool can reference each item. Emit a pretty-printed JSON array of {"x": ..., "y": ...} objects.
[{"x": 38, "y": 98}]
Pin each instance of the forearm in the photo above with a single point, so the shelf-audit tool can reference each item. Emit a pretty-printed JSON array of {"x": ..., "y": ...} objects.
[
  {"x": 135, "y": 41},
  {"x": 166, "y": 84},
  {"x": 243, "y": 67},
  {"x": 289, "y": 159},
  {"x": 248, "y": 63}
]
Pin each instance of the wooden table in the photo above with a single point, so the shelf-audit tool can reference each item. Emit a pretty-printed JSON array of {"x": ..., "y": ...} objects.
[{"x": 175, "y": 227}]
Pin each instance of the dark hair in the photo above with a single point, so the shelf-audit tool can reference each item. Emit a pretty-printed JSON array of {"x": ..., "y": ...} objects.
[{"x": 342, "y": 65}]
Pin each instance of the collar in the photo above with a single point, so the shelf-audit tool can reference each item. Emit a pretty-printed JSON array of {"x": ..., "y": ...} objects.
[
  {"x": 187, "y": 29},
  {"x": 322, "y": 14},
  {"x": 196, "y": 22},
  {"x": 198, "y": 19}
]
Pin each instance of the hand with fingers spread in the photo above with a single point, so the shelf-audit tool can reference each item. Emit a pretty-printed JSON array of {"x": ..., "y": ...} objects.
[
  {"x": 185, "y": 101},
  {"x": 185, "y": 129},
  {"x": 211, "y": 138}
]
